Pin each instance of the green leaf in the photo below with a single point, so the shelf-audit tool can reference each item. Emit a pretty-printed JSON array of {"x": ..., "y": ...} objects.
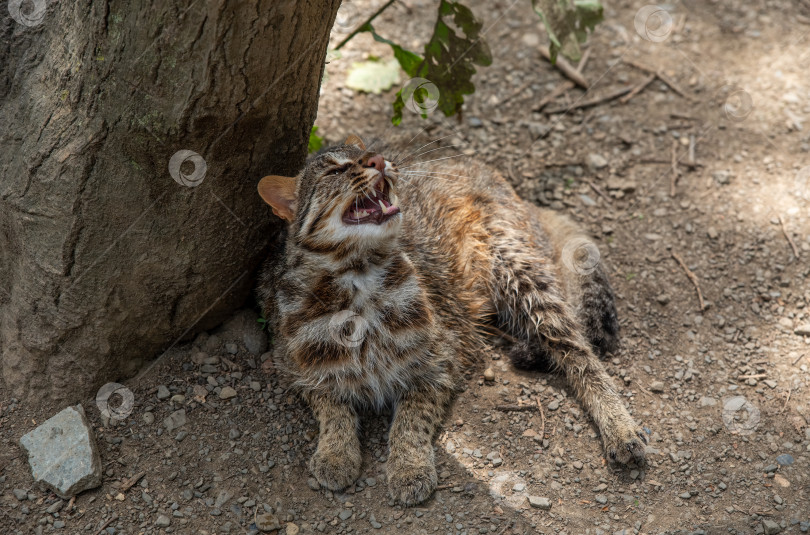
[
  {"x": 409, "y": 61},
  {"x": 450, "y": 58},
  {"x": 568, "y": 23},
  {"x": 373, "y": 76},
  {"x": 315, "y": 141}
]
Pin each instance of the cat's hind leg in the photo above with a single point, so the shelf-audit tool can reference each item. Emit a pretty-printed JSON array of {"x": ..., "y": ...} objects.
[{"x": 532, "y": 306}]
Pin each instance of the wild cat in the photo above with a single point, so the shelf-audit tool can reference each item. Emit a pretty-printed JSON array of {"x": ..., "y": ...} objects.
[{"x": 379, "y": 294}]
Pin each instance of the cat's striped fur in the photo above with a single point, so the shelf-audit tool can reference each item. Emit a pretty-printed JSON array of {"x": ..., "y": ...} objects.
[{"x": 369, "y": 315}]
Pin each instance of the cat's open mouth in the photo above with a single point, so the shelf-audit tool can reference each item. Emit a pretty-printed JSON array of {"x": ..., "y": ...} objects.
[{"x": 376, "y": 207}]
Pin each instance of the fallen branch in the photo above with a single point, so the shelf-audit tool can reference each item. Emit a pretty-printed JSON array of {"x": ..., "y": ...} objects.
[
  {"x": 789, "y": 239},
  {"x": 566, "y": 68},
  {"x": 798, "y": 359},
  {"x": 614, "y": 94},
  {"x": 597, "y": 190},
  {"x": 583, "y": 60},
  {"x": 446, "y": 486},
  {"x": 638, "y": 89},
  {"x": 660, "y": 75},
  {"x": 556, "y": 92},
  {"x": 692, "y": 277},
  {"x": 690, "y": 158},
  {"x": 668, "y": 162},
  {"x": 131, "y": 481},
  {"x": 112, "y": 519},
  {"x": 673, "y": 181},
  {"x": 515, "y": 408},
  {"x": 542, "y": 418}
]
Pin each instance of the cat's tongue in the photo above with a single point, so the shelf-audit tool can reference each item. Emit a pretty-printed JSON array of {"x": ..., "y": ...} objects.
[{"x": 371, "y": 210}]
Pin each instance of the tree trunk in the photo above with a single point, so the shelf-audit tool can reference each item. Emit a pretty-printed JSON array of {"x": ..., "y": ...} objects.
[{"x": 106, "y": 257}]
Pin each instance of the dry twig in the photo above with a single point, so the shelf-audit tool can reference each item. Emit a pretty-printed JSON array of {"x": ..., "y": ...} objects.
[
  {"x": 515, "y": 408},
  {"x": 798, "y": 359},
  {"x": 556, "y": 92},
  {"x": 690, "y": 158},
  {"x": 583, "y": 60},
  {"x": 673, "y": 181},
  {"x": 131, "y": 481},
  {"x": 597, "y": 190},
  {"x": 638, "y": 89},
  {"x": 660, "y": 75},
  {"x": 692, "y": 277},
  {"x": 566, "y": 68},
  {"x": 542, "y": 418},
  {"x": 109, "y": 521},
  {"x": 789, "y": 239},
  {"x": 614, "y": 94}
]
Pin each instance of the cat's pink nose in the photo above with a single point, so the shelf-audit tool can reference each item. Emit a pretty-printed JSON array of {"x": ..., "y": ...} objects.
[{"x": 377, "y": 162}]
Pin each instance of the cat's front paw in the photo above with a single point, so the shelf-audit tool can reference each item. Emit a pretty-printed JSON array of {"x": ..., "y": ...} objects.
[
  {"x": 411, "y": 484},
  {"x": 335, "y": 469},
  {"x": 625, "y": 443}
]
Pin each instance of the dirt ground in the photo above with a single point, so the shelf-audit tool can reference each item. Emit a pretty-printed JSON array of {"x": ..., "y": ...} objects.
[{"x": 724, "y": 389}]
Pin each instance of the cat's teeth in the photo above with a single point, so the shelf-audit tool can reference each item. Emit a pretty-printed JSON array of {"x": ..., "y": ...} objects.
[
  {"x": 362, "y": 214},
  {"x": 384, "y": 207}
]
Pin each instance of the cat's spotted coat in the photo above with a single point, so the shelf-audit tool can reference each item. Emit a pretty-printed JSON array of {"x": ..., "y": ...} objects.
[{"x": 380, "y": 291}]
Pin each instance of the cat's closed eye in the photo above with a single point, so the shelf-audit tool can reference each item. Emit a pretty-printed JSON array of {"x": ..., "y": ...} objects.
[{"x": 338, "y": 170}]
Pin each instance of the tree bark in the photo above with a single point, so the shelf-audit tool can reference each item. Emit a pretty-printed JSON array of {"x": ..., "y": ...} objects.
[{"x": 106, "y": 259}]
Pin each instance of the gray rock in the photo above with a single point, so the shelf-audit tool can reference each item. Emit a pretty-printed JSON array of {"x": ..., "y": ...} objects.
[
  {"x": 554, "y": 405},
  {"x": 163, "y": 521},
  {"x": 163, "y": 392},
  {"x": 313, "y": 484},
  {"x": 56, "y": 506},
  {"x": 62, "y": 453},
  {"x": 255, "y": 341},
  {"x": 770, "y": 527},
  {"x": 222, "y": 498},
  {"x": 596, "y": 161},
  {"x": 707, "y": 401},
  {"x": 20, "y": 494},
  {"x": 601, "y": 498},
  {"x": 785, "y": 459},
  {"x": 175, "y": 420},
  {"x": 657, "y": 386},
  {"x": 267, "y": 522},
  {"x": 802, "y": 330},
  {"x": 371, "y": 481},
  {"x": 345, "y": 514},
  {"x": 540, "y": 503},
  {"x": 227, "y": 393},
  {"x": 148, "y": 418}
]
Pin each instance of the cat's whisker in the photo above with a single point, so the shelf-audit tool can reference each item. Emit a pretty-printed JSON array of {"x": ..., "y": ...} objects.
[
  {"x": 410, "y": 154},
  {"x": 408, "y": 144},
  {"x": 436, "y": 160},
  {"x": 433, "y": 150}
]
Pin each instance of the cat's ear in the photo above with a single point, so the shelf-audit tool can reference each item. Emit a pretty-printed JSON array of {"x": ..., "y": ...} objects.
[
  {"x": 355, "y": 140},
  {"x": 279, "y": 192}
]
